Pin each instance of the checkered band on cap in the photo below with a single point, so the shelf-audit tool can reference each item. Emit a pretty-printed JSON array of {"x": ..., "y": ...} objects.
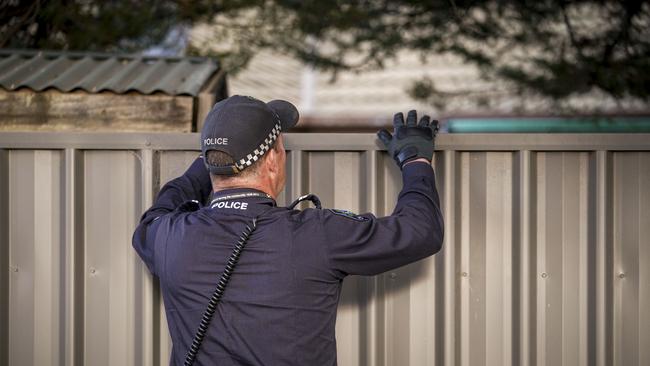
[{"x": 251, "y": 158}]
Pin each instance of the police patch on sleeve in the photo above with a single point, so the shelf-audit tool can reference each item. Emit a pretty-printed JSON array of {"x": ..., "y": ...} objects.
[{"x": 349, "y": 214}]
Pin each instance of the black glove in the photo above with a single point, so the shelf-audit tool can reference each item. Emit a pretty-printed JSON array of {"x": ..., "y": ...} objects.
[{"x": 411, "y": 141}]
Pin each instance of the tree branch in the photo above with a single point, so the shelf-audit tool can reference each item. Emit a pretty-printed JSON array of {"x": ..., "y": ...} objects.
[
  {"x": 26, "y": 18},
  {"x": 570, "y": 31}
]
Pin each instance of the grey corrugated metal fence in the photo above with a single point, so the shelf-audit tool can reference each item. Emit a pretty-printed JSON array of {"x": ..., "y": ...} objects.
[{"x": 546, "y": 258}]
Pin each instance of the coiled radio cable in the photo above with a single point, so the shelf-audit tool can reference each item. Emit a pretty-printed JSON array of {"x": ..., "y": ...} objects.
[{"x": 218, "y": 293}]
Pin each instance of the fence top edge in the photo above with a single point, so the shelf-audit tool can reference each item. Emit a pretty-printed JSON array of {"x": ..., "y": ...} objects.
[{"x": 329, "y": 141}]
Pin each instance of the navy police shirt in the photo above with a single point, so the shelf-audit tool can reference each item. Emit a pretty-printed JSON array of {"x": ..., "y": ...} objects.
[{"x": 280, "y": 305}]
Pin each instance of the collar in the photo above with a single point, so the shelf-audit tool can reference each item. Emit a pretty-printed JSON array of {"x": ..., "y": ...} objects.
[{"x": 242, "y": 194}]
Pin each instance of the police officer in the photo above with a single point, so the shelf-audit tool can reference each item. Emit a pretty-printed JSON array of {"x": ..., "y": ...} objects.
[{"x": 278, "y": 307}]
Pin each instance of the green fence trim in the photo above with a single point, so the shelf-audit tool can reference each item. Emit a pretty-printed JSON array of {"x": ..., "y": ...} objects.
[{"x": 549, "y": 125}]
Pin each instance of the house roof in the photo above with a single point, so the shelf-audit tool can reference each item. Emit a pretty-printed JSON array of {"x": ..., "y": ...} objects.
[{"x": 97, "y": 72}]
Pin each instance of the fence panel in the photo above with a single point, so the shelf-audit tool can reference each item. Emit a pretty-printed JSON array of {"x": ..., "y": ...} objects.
[{"x": 546, "y": 257}]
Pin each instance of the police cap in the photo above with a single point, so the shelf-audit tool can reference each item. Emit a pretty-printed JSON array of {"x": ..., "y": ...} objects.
[{"x": 244, "y": 128}]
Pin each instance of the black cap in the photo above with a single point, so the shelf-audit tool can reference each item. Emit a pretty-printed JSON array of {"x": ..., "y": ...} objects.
[{"x": 244, "y": 128}]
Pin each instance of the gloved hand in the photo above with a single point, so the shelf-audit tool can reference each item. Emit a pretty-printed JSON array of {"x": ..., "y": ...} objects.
[{"x": 411, "y": 140}]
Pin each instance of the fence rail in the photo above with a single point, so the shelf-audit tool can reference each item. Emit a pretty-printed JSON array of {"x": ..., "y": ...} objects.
[
  {"x": 329, "y": 141},
  {"x": 546, "y": 258}
]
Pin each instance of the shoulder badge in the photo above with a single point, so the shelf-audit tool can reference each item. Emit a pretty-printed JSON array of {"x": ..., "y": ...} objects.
[{"x": 349, "y": 215}]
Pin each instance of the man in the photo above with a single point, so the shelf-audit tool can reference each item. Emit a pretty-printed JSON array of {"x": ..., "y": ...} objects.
[{"x": 279, "y": 306}]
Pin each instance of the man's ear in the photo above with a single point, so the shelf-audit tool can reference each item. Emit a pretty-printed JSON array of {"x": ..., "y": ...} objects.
[{"x": 272, "y": 159}]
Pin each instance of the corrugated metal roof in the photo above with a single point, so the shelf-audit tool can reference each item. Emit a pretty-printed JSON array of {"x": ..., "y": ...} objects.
[{"x": 94, "y": 72}]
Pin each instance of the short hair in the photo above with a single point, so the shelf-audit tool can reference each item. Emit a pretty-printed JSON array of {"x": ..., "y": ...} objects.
[{"x": 220, "y": 158}]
